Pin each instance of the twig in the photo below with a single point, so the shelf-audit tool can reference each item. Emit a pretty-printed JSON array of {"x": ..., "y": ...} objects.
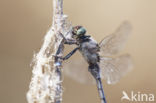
[{"x": 46, "y": 82}]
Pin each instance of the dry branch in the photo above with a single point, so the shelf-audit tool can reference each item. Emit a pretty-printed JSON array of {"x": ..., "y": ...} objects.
[{"x": 46, "y": 82}]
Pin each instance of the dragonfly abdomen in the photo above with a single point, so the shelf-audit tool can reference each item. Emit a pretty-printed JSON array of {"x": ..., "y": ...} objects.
[
  {"x": 95, "y": 71},
  {"x": 100, "y": 90}
]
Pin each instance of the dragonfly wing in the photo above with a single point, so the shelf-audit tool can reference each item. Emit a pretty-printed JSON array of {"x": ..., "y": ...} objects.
[
  {"x": 112, "y": 44},
  {"x": 77, "y": 68},
  {"x": 112, "y": 69}
]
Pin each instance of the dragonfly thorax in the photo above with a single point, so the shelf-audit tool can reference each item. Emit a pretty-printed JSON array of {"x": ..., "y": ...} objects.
[{"x": 89, "y": 49}]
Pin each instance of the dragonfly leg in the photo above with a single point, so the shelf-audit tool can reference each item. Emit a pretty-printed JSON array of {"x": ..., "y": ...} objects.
[
  {"x": 70, "y": 41},
  {"x": 70, "y": 54}
]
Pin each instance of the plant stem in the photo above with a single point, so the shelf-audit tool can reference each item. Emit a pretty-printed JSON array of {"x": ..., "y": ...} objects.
[{"x": 46, "y": 82}]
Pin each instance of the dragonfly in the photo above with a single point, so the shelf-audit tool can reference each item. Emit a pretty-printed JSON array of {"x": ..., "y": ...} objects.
[{"x": 101, "y": 58}]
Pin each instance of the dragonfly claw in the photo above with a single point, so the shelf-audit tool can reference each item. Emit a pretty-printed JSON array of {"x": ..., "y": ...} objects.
[{"x": 58, "y": 57}]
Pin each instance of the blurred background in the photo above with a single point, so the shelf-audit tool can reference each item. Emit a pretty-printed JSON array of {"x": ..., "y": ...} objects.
[{"x": 23, "y": 24}]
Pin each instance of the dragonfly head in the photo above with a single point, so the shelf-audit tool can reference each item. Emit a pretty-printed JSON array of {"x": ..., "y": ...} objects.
[{"x": 78, "y": 31}]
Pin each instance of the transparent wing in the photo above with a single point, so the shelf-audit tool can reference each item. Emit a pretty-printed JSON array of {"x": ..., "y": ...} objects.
[
  {"x": 77, "y": 69},
  {"x": 112, "y": 44},
  {"x": 112, "y": 69}
]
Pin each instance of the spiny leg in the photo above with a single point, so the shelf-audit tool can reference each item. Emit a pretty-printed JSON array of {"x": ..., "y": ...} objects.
[
  {"x": 68, "y": 41},
  {"x": 95, "y": 71},
  {"x": 67, "y": 56},
  {"x": 70, "y": 54}
]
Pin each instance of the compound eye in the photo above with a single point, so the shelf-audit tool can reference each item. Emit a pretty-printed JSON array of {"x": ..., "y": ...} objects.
[{"x": 81, "y": 31}]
